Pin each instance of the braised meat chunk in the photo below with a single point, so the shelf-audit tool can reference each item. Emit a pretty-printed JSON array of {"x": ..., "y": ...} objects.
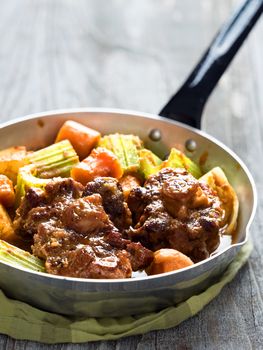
[
  {"x": 69, "y": 254},
  {"x": 86, "y": 215},
  {"x": 112, "y": 199},
  {"x": 75, "y": 236},
  {"x": 40, "y": 206},
  {"x": 174, "y": 210}
]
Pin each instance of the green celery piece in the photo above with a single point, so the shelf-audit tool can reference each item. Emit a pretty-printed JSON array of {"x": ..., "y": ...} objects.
[
  {"x": 53, "y": 161},
  {"x": 149, "y": 162},
  {"x": 113, "y": 144},
  {"x": 117, "y": 149},
  {"x": 19, "y": 257},
  {"x": 130, "y": 146},
  {"x": 126, "y": 148},
  {"x": 178, "y": 159},
  {"x": 27, "y": 178}
]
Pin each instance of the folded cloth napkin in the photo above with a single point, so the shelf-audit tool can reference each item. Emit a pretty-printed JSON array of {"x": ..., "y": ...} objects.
[{"x": 22, "y": 321}]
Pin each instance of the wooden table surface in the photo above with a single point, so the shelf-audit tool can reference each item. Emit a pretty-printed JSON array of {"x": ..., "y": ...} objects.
[{"x": 134, "y": 55}]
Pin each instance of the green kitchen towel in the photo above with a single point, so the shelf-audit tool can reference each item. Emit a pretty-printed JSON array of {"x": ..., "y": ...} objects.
[{"x": 22, "y": 321}]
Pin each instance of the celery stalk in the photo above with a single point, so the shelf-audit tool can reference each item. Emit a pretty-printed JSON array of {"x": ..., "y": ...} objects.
[
  {"x": 113, "y": 143},
  {"x": 27, "y": 178},
  {"x": 53, "y": 161},
  {"x": 130, "y": 145},
  {"x": 178, "y": 159},
  {"x": 149, "y": 162},
  {"x": 19, "y": 257},
  {"x": 126, "y": 148}
]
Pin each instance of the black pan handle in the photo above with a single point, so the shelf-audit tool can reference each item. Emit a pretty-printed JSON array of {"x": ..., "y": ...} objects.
[{"x": 188, "y": 103}]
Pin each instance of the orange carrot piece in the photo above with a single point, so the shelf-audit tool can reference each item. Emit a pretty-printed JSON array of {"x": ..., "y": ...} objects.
[
  {"x": 166, "y": 260},
  {"x": 7, "y": 194},
  {"x": 100, "y": 162},
  {"x": 82, "y": 138},
  {"x": 128, "y": 182}
]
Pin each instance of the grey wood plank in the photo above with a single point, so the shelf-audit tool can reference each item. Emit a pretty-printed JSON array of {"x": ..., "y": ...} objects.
[{"x": 134, "y": 55}]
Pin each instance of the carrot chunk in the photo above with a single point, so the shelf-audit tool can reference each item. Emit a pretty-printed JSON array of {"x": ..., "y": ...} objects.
[
  {"x": 100, "y": 162},
  {"x": 82, "y": 138},
  {"x": 166, "y": 260},
  {"x": 7, "y": 194}
]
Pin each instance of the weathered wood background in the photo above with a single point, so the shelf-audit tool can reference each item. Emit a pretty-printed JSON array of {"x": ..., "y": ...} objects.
[{"x": 134, "y": 55}]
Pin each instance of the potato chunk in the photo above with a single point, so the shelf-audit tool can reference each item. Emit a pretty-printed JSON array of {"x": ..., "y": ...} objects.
[
  {"x": 6, "y": 226},
  {"x": 166, "y": 260},
  {"x": 7, "y": 232},
  {"x": 7, "y": 194},
  {"x": 217, "y": 180},
  {"x": 11, "y": 159}
]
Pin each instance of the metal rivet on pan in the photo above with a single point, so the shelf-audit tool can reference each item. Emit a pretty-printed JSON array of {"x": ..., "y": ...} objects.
[
  {"x": 190, "y": 145},
  {"x": 155, "y": 135}
]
